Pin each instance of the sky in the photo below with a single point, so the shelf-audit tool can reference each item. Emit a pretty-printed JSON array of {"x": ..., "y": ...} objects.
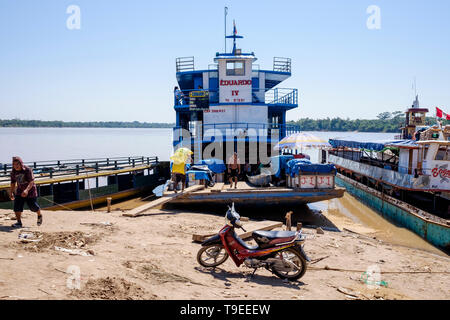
[{"x": 120, "y": 64}]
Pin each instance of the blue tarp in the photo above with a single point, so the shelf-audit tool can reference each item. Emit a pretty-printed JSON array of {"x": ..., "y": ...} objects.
[
  {"x": 279, "y": 163},
  {"x": 297, "y": 166},
  {"x": 368, "y": 145},
  {"x": 199, "y": 174},
  {"x": 215, "y": 165}
]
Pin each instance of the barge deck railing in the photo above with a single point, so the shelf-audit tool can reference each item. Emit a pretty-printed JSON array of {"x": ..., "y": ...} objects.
[
  {"x": 244, "y": 128},
  {"x": 55, "y": 168}
]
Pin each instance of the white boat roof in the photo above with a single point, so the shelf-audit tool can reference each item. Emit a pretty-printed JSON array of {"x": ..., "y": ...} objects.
[{"x": 442, "y": 142}]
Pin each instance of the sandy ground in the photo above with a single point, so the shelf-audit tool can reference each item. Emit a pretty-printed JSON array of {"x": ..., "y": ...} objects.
[{"x": 153, "y": 257}]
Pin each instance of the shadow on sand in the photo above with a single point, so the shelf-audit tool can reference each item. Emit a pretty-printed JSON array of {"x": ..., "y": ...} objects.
[
  {"x": 301, "y": 213},
  {"x": 273, "y": 281},
  {"x": 7, "y": 229}
]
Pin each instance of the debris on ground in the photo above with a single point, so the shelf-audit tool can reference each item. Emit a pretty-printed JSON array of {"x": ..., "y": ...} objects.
[{"x": 74, "y": 251}]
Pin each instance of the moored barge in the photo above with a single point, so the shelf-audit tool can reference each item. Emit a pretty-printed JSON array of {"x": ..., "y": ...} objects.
[
  {"x": 407, "y": 180},
  {"x": 75, "y": 184}
]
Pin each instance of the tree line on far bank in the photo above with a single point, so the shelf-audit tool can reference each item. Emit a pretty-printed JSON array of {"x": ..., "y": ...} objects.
[
  {"x": 76, "y": 124},
  {"x": 390, "y": 122},
  {"x": 386, "y": 122}
]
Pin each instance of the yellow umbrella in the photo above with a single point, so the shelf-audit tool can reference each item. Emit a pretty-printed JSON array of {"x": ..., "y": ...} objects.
[{"x": 181, "y": 155}]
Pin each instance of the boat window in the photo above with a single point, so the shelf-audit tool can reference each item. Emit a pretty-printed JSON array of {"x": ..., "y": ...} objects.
[
  {"x": 236, "y": 68},
  {"x": 442, "y": 154}
]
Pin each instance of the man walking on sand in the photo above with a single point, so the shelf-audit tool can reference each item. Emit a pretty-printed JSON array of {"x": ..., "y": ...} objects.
[
  {"x": 23, "y": 190},
  {"x": 234, "y": 169}
]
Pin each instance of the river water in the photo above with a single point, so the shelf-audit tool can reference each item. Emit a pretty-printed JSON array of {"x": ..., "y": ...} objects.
[{"x": 38, "y": 144}]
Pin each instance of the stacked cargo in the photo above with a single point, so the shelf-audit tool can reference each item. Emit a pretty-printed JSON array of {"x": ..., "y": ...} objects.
[{"x": 302, "y": 174}]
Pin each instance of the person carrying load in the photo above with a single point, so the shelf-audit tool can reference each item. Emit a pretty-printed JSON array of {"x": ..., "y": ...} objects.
[{"x": 179, "y": 160}]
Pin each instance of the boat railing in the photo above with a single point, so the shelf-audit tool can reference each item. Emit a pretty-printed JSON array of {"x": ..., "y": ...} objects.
[
  {"x": 358, "y": 156},
  {"x": 277, "y": 96},
  {"x": 238, "y": 129},
  {"x": 282, "y": 96},
  {"x": 184, "y": 64},
  {"x": 282, "y": 64},
  {"x": 182, "y": 97},
  {"x": 55, "y": 168}
]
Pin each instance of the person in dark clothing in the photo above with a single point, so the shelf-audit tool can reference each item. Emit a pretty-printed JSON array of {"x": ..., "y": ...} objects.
[
  {"x": 23, "y": 190},
  {"x": 234, "y": 169}
]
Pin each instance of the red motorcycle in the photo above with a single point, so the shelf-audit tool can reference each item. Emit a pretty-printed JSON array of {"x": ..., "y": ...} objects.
[{"x": 280, "y": 252}]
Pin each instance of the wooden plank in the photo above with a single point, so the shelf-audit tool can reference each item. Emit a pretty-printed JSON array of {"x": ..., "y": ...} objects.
[
  {"x": 164, "y": 199},
  {"x": 248, "y": 234},
  {"x": 244, "y": 235},
  {"x": 201, "y": 237},
  {"x": 217, "y": 187}
]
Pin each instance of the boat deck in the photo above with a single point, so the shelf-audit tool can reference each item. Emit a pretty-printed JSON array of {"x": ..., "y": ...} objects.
[{"x": 247, "y": 194}]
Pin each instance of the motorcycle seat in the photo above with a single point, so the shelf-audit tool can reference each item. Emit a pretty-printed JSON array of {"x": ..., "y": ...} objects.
[{"x": 273, "y": 235}]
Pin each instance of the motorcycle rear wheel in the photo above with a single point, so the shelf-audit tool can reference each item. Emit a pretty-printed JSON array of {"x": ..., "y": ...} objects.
[
  {"x": 212, "y": 255},
  {"x": 293, "y": 256}
]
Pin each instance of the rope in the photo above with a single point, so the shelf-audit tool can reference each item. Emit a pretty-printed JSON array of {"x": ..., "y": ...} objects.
[
  {"x": 89, "y": 190},
  {"x": 362, "y": 271},
  {"x": 59, "y": 205}
]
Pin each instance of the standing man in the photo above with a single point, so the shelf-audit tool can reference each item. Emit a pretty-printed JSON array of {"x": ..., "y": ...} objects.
[
  {"x": 234, "y": 169},
  {"x": 23, "y": 190},
  {"x": 179, "y": 174}
]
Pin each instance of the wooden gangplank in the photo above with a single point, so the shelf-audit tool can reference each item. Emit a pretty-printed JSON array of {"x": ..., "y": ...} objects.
[
  {"x": 136, "y": 212},
  {"x": 217, "y": 187}
]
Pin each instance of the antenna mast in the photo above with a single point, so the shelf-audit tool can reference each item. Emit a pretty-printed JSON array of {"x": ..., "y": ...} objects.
[{"x": 225, "y": 14}]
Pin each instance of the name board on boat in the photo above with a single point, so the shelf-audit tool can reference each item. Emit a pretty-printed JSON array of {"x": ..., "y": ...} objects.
[
  {"x": 440, "y": 176},
  {"x": 239, "y": 91},
  {"x": 234, "y": 88},
  {"x": 199, "y": 100}
]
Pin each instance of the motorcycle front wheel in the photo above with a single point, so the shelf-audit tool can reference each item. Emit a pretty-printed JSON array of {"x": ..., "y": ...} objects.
[
  {"x": 212, "y": 255},
  {"x": 291, "y": 266}
]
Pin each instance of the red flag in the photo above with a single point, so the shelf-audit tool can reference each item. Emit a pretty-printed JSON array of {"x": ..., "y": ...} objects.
[
  {"x": 441, "y": 114},
  {"x": 438, "y": 113}
]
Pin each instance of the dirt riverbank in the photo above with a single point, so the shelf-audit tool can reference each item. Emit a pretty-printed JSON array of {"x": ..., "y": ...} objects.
[{"x": 153, "y": 257}]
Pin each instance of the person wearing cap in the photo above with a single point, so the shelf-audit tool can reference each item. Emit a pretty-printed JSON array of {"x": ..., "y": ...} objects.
[{"x": 23, "y": 190}]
